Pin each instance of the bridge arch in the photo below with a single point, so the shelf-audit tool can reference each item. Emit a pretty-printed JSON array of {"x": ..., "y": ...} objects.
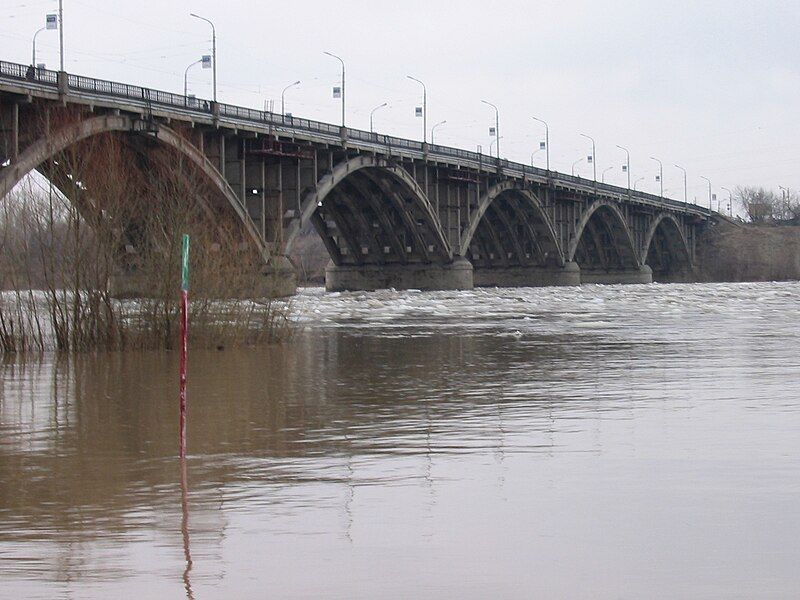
[
  {"x": 511, "y": 224},
  {"x": 48, "y": 147},
  {"x": 603, "y": 239},
  {"x": 666, "y": 249},
  {"x": 370, "y": 211}
]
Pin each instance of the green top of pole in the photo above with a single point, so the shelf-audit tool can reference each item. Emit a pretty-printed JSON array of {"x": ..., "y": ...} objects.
[{"x": 185, "y": 263}]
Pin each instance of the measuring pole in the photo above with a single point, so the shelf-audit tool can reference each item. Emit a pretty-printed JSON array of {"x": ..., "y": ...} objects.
[{"x": 184, "y": 338}]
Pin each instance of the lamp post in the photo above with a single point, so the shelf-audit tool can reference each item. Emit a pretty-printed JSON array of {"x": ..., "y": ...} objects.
[
  {"x": 660, "y": 174},
  {"x": 730, "y": 201},
  {"x": 575, "y": 164},
  {"x": 635, "y": 183},
  {"x": 373, "y": 112},
  {"x": 786, "y": 196},
  {"x": 546, "y": 138},
  {"x": 497, "y": 139},
  {"x": 603, "y": 174},
  {"x": 709, "y": 191},
  {"x": 60, "y": 33},
  {"x": 594, "y": 156},
  {"x": 627, "y": 164},
  {"x": 186, "y": 77},
  {"x": 343, "y": 97},
  {"x": 433, "y": 129},
  {"x": 283, "y": 96},
  {"x": 534, "y": 153},
  {"x": 496, "y": 126},
  {"x": 33, "y": 58},
  {"x": 213, "y": 51},
  {"x": 424, "y": 109},
  {"x": 685, "y": 184}
]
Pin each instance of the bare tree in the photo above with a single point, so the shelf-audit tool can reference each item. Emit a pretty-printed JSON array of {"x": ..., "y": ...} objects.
[{"x": 759, "y": 204}]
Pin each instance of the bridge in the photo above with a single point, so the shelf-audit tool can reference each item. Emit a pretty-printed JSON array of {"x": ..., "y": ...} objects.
[{"x": 392, "y": 212}]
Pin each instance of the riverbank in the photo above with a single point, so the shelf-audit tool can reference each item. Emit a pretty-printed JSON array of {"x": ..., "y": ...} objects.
[{"x": 734, "y": 253}]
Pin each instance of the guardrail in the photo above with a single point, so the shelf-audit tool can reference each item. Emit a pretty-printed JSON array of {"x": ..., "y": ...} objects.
[{"x": 151, "y": 97}]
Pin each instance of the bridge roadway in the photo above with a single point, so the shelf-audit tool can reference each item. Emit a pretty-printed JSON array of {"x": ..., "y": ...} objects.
[{"x": 392, "y": 212}]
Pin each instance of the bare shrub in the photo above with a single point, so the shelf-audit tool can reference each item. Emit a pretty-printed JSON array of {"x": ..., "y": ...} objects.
[{"x": 110, "y": 217}]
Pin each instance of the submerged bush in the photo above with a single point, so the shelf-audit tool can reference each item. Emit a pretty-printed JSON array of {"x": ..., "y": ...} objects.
[{"x": 104, "y": 221}]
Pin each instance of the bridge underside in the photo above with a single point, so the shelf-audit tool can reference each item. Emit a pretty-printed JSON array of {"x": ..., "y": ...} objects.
[{"x": 389, "y": 216}]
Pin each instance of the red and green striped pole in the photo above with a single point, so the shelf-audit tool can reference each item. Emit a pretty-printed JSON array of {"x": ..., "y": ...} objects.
[{"x": 184, "y": 338}]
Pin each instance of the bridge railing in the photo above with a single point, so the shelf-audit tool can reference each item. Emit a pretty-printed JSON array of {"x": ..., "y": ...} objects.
[{"x": 149, "y": 96}]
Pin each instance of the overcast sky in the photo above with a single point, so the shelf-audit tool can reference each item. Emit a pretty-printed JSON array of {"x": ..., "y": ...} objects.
[{"x": 712, "y": 85}]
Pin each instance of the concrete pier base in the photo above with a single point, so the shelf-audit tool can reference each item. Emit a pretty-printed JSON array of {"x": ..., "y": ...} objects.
[
  {"x": 454, "y": 276},
  {"x": 124, "y": 285},
  {"x": 277, "y": 279},
  {"x": 641, "y": 275},
  {"x": 679, "y": 276},
  {"x": 569, "y": 274}
]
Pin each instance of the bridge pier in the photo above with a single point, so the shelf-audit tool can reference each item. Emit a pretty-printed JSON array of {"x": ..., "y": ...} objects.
[
  {"x": 278, "y": 279},
  {"x": 569, "y": 274},
  {"x": 643, "y": 274},
  {"x": 454, "y": 276},
  {"x": 685, "y": 275}
]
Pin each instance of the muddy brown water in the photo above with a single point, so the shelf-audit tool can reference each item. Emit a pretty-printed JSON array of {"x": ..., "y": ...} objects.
[{"x": 595, "y": 442}]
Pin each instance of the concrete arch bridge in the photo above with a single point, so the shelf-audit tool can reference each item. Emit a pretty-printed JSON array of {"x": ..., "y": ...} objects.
[{"x": 391, "y": 212}]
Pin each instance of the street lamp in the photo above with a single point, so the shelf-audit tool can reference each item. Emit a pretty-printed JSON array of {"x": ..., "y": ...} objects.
[
  {"x": 685, "y": 184},
  {"x": 730, "y": 201},
  {"x": 534, "y": 153},
  {"x": 60, "y": 33},
  {"x": 627, "y": 164},
  {"x": 786, "y": 199},
  {"x": 546, "y": 139},
  {"x": 496, "y": 126},
  {"x": 660, "y": 174},
  {"x": 343, "y": 98},
  {"x": 603, "y": 174},
  {"x": 497, "y": 139},
  {"x": 213, "y": 50},
  {"x": 33, "y": 58},
  {"x": 594, "y": 157},
  {"x": 373, "y": 112},
  {"x": 424, "y": 109},
  {"x": 433, "y": 129},
  {"x": 186, "y": 77},
  {"x": 283, "y": 96},
  {"x": 635, "y": 183},
  {"x": 709, "y": 191},
  {"x": 576, "y": 163}
]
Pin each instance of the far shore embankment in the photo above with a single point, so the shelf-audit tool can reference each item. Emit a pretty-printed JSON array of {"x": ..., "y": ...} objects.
[{"x": 746, "y": 252}]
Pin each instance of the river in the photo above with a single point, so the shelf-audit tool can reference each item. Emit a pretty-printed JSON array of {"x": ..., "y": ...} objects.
[{"x": 592, "y": 442}]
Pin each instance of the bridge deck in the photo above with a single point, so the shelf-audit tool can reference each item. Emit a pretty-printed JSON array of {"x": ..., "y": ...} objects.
[{"x": 16, "y": 79}]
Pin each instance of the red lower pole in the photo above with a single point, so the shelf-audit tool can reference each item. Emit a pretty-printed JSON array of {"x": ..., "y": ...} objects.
[
  {"x": 184, "y": 337},
  {"x": 184, "y": 352}
]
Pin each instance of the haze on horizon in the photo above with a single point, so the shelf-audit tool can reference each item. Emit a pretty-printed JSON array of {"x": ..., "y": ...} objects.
[{"x": 710, "y": 86}]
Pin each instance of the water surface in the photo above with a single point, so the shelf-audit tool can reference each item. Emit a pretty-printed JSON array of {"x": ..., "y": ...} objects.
[{"x": 593, "y": 442}]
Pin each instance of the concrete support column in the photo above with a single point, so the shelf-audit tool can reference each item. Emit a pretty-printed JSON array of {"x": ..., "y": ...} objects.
[
  {"x": 569, "y": 274},
  {"x": 682, "y": 275},
  {"x": 276, "y": 279},
  {"x": 63, "y": 83},
  {"x": 454, "y": 276},
  {"x": 643, "y": 274},
  {"x": 15, "y": 131}
]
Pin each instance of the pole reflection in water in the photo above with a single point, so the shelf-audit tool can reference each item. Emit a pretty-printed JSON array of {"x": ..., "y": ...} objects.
[{"x": 187, "y": 550}]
